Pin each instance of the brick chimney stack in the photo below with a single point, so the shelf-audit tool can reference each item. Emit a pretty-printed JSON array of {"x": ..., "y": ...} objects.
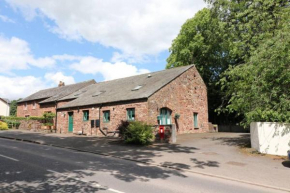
[{"x": 60, "y": 84}]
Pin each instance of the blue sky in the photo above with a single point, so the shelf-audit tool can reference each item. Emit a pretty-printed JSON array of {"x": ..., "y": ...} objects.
[{"x": 43, "y": 42}]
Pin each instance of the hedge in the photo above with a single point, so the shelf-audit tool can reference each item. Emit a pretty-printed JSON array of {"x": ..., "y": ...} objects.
[{"x": 3, "y": 126}]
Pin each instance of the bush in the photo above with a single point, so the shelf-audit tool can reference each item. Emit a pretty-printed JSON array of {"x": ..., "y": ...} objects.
[
  {"x": 123, "y": 126},
  {"x": 12, "y": 123},
  {"x": 3, "y": 126},
  {"x": 35, "y": 118},
  {"x": 13, "y": 118},
  {"x": 138, "y": 133}
]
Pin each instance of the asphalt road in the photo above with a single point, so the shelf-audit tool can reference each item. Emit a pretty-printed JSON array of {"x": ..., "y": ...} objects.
[{"x": 26, "y": 167}]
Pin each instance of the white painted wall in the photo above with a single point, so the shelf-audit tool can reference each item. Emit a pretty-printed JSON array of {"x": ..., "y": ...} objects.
[
  {"x": 270, "y": 138},
  {"x": 4, "y": 108}
]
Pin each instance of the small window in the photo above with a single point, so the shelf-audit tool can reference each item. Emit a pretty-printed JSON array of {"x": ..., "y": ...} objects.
[
  {"x": 195, "y": 120},
  {"x": 131, "y": 114},
  {"x": 106, "y": 116},
  {"x": 165, "y": 116},
  {"x": 25, "y": 106},
  {"x": 85, "y": 115},
  {"x": 98, "y": 93},
  {"x": 137, "y": 87},
  {"x": 34, "y": 105},
  {"x": 77, "y": 94}
]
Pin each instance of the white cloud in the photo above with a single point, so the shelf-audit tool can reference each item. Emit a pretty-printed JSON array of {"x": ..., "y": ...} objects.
[
  {"x": 19, "y": 87},
  {"x": 92, "y": 65},
  {"x": 6, "y": 19},
  {"x": 22, "y": 86},
  {"x": 137, "y": 28},
  {"x": 15, "y": 55},
  {"x": 59, "y": 76}
]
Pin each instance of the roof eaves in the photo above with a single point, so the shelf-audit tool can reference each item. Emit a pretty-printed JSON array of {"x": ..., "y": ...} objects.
[
  {"x": 24, "y": 100},
  {"x": 99, "y": 104}
]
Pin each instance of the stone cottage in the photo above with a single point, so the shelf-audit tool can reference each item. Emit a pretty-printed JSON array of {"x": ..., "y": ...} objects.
[
  {"x": 47, "y": 100},
  {"x": 174, "y": 96}
]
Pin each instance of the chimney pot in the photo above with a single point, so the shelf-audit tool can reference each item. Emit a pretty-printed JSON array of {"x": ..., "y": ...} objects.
[{"x": 60, "y": 84}]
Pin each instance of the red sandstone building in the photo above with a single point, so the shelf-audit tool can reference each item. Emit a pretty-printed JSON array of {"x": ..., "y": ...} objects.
[
  {"x": 174, "y": 96},
  {"x": 47, "y": 100}
]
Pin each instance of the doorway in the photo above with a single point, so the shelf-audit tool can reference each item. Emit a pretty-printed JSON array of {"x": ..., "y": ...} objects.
[{"x": 70, "y": 121}]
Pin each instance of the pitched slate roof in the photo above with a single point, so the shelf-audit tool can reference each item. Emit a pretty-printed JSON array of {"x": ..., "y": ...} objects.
[
  {"x": 6, "y": 100},
  {"x": 53, "y": 94},
  {"x": 124, "y": 89}
]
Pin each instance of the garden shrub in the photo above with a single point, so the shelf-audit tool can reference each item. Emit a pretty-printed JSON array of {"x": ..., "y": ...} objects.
[
  {"x": 3, "y": 126},
  {"x": 48, "y": 119},
  {"x": 12, "y": 123},
  {"x": 123, "y": 127},
  {"x": 35, "y": 118},
  {"x": 138, "y": 133}
]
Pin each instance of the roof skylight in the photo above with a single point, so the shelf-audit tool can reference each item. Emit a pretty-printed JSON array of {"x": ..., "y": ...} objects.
[
  {"x": 137, "y": 87},
  {"x": 98, "y": 93}
]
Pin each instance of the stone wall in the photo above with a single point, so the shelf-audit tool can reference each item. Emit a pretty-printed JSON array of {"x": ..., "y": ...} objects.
[
  {"x": 118, "y": 112},
  {"x": 33, "y": 125},
  {"x": 29, "y": 110},
  {"x": 39, "y": 109},
  {"x": 185, "y": 95}
]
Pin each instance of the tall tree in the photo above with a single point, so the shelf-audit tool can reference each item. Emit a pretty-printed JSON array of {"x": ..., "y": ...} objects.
[
  {"x": 249, "y": 22},
  {"x": 260, "y": 88},
  {"x": 200, "y": 42},
  {"x": 229, "y": 35},
  {"x": 253, "y": 86},
  {"x": 13, "y": 107}
]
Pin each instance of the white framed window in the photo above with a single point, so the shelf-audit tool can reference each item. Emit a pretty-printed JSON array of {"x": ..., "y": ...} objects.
[
  {"x": 195, "y": 120},
  {"x": 165, "y": 116},
  {"x": 25, "y": 106}
]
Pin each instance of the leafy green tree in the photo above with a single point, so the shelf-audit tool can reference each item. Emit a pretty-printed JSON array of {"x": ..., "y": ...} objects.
[
  {"x": 200, "y": 42},
  {"x": 253, "y": 82},
  {"x": 260, "y": 88},
  {"x": 235, "y": 35},
  {"x": 13, "y": 107},
  {"x": 249, "y": 22}
]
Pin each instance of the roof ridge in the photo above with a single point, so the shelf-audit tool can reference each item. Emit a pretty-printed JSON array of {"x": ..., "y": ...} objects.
[
  {"x": 120, "y": 89},
  {"x": 68, "y": 85},
  {"x": 174, "y": 68}
]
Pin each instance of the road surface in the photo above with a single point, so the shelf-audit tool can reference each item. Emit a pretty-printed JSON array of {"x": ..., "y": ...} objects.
[{"x": 26, "y": 167}]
